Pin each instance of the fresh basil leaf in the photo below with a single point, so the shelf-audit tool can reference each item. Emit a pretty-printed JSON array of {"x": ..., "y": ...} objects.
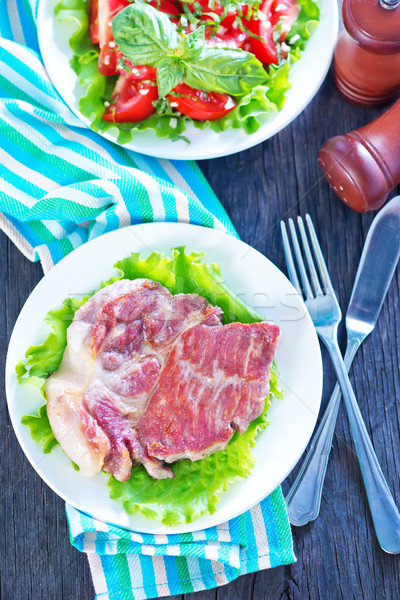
[
  {"x": 143, "y": 34},
  {"x": 169, "y": 74},
  {"x": 191, "y": 45},
  {"x": 227, "y": 71}
]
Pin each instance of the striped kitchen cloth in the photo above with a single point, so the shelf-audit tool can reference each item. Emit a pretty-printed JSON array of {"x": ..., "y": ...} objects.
[
  {"x": 134, "y": 566},
  {"x": 61, "y": 185}
]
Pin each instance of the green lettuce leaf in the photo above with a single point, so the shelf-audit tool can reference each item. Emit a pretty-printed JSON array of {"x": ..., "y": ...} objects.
[
  {"x": 249, "y": 113},
  {"x": 305, "y": 24},
  {"x": 196, "y": 486},
  {"x": 156, "y": 267},
  {"x": 40, "y": 429},
  {"x": 193, "y": 276},
  {"x": 251, "y": 108},
  {"x": 44, "y": 359}
]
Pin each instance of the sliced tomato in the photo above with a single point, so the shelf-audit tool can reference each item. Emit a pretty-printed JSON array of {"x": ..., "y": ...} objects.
[
  {"x": 225, "y": 37},
  {"x": 132, "y": 101},
  {"x": 102, "y": 13},
  {"x": 137, "y": 72},
  {"x": 169, "y": 8},
  {"x": 200, "y": 105},
  {"x": 94, "y": 21},
  {"x": 106, "y": 11},
  {"x": 108, "y": 59},
  {"x": 207, "y": 6},
  {"x": 109, "y": 64},
  {"x": 272, "y": 12},
  {"x": 228, "y": 34}
]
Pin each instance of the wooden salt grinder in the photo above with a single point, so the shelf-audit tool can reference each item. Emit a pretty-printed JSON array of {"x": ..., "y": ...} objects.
[
  {"x": 366, "y": 62},
  {"x": 363, "y": 166}
]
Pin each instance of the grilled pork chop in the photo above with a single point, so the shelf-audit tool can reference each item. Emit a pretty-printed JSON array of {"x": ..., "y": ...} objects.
[
  {"x": 149, "y": 377},
  {"x": 215, "y": 381}
]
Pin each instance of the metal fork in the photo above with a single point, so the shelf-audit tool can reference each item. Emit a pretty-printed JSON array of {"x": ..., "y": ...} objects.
[{"x": 322, "y": 304}]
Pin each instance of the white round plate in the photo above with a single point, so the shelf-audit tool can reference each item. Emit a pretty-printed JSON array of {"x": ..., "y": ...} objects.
[
  {"x": 259, "y": 283},
  {"x": 306, "y": 77}
]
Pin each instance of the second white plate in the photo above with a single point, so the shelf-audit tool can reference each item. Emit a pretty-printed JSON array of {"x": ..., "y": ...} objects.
[{"x": 259, "y": 283}]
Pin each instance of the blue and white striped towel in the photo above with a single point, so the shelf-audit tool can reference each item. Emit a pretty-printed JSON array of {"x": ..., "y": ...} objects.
[
  {"x": 135, "y": 566},
  {"x": 61, "y": 185}
]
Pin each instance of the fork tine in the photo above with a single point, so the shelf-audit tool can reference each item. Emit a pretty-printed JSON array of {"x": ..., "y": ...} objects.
[
  {"x": 326, "y": 280},
  {"x": 310, "y": 260},
  {"x": 289, "y": 259},
  {"x": 303, "y": 274}
]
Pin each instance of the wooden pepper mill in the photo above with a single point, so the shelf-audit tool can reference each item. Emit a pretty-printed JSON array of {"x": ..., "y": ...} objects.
[
  {"x": 363, "y": 166},
  {"x": 366, "y": 62}
]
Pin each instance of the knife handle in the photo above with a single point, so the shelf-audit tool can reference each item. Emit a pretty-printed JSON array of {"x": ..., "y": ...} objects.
[
  {"x": 363, "y": 166},
  {"x": 303, "y": 500}
]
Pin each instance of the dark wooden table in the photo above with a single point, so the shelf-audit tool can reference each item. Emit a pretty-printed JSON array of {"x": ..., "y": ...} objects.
[{"x": 338, "y": 556}]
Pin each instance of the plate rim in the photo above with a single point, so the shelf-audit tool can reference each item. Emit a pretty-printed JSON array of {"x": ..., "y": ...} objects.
[
  {"x": 247, "y": 141},
  {"x": 10, "y": 373}
]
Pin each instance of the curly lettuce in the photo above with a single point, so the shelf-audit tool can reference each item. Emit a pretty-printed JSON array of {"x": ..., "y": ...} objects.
[
  {"x": 197, "y": 486},
  {"x": 251, "y": 108}
]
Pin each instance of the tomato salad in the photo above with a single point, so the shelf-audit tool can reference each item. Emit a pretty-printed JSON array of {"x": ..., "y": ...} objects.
[{"x": 221, "y": 63}]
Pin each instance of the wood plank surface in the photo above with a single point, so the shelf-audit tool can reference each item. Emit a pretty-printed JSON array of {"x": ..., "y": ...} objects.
[{"x": 338, "y": 557}]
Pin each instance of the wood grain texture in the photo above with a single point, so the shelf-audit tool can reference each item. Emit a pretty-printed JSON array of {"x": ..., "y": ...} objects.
[{"x": 338, "y": 557}]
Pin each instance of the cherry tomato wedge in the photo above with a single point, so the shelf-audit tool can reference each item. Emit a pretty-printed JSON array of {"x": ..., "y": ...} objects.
[
  {"x": 225, "y": 37},
  {"x": 200, "y": 105},
  {"x": 94, "y": 21},
  {"x": 108, "y": 59},
  {"x": 137, "y": 72},
  {"x": 106, "y": 11},
  {"x": 228, "y": 34},
  {"x": 132, "y": 101},
  {"x": 108, "y": 65},
  {"x": 284, "y": 12},
  {"x": 209, "y": 8},
  {"x": 169, "y": 8}
]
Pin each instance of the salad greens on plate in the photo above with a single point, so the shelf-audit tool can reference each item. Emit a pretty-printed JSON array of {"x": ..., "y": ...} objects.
[
  {"x": 196, "y": 487},
  {"x": 159, "y": 64}
]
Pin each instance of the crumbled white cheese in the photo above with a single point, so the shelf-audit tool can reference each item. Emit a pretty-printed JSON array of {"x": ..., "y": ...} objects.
[
  {"x": 285, "y": 47},
  {"x": 235, "y": 25},
  {"x": 173, "y": 104},
  {"x": 144, "y": 92},
  {"x": 173, "y": 122},
  {"x": 222, "y": 30},
  {"x": 106, "y": 103},
  {"x": 294, "y": 39},
  {"x": 111, "y": 44},
  {"x": 229, "y": 104},
  {"x": 285, "y": 27},
  {"x": 110, "y": 23}
]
